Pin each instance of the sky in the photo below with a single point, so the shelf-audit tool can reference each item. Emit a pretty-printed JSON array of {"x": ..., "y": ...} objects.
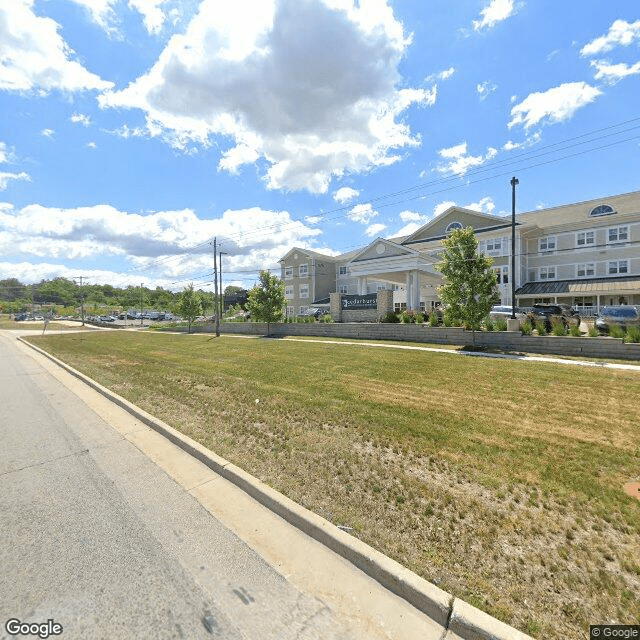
[{"x": 134, "y": 132}]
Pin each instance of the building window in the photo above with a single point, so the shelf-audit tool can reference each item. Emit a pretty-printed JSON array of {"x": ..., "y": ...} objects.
[
  {"x": 619, "y": 234},
  {"x": 342, "y": 271},
  {"x": 494, "y": 247},
  {"x": 616, "y": 267},
  {"x": 344, "y": 288},
  {"x": 288, "y": 291},
  {"x": 502, "y": 274},
  {"x": 290, "y": 311},
  {"x": 288, "y": 273},
  {"x": 587, "y": 270},
  {"x": 452, "y": 226},
  {"x": 304, "y": 290},
  {"x": 548, "y": 243},
  {"x": 547, "y": 273},
  {"x": 602, "y": 210},
  {"x": 303, "y": 270},
  {"x": 302, "y": 310},
  {"x": 585, "y": 238}
]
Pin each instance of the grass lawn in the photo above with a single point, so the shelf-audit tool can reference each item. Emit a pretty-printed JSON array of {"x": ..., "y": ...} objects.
[{"x": 501, "y": 481}]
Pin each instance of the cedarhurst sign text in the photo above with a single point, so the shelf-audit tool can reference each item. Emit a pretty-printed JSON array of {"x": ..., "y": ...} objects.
[{"x": 366, "y": 301}]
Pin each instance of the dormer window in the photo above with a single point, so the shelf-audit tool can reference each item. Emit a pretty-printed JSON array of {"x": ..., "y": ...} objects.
[
  {"x": 453, "y": 225},
  {"x": 602, "y": 210}
]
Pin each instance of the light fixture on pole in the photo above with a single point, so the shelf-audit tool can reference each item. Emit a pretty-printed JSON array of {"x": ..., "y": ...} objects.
[{"x": 514, "y": 182}]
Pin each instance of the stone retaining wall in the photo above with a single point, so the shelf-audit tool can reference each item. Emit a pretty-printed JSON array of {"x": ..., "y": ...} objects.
[{"x": 602, "y": 347}]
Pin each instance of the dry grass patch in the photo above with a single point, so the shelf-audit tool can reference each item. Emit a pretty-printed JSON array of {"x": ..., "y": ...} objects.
[{"x": 500, "y": 481}]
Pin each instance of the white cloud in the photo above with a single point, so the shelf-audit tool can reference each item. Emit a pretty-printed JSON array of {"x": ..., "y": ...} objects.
[
  {"x": 552, "y": 106},
  {"x": 621, "y": 33},
  {"x": 485, "y": 205},
  {"x": 80, "y": 118},
  {"x": 35, "y": 57},
  {"x": 161, "y": 244},
  {"x": 459, "y": 161},
  {"x": 103, "y": 13},
  {"x": 375, "y": 230},
  {"x": 310, "y": 87},
  {"x": 152, "y": 15},
  {"x": 345, "y": 194},
  {"x": 612, "y": 73},
  {"x": 92, "y": 145},
  {"x": 5, "y": 177},
  {"x": 485, "y": 89},
  {"x": 4, "y": 154},
  {"x": 48, "y": 133},
  {"x": 496, "y": 11},
  {"x": 528, "y": 142},
  {"x": 362, "y": 213},
  {"x": 442, "y": 75}
]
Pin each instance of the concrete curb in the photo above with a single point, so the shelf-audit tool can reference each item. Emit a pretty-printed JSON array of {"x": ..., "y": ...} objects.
[{"x": 460, "y": 620}]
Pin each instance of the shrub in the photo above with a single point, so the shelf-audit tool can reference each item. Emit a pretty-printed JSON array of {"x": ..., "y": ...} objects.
[
  {"x": 391, "y": 317},
  {"x": 407, "y": 317},
  {"x": 541, "y": 328},
  {"x": 593, "y": 332},
  {"x": 419, "y": 318},
  {"x": 433, "y": 319},
  {"x": 327, "y": 317},
  {"x": 633, "y": 334},
  {"x": 575, "y": 331},
  {"x": 446, "y": 321},
  {"x": 488, "y": 324},
  {"x": 558, "y": 329},
  {"x": 526, "y": 328},
  {"x": 501, "y": 324},
  {"x": 615, "y": 331}
]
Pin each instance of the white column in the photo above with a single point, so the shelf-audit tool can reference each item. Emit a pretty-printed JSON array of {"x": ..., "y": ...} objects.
[
  {"x": 416, "y": 290},
  {"x": 363, "y": 285},
  {"x": 407, "y": 289}
]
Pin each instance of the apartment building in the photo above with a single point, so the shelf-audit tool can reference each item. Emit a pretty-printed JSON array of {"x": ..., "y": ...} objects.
[{"x": 585, "y": 254}]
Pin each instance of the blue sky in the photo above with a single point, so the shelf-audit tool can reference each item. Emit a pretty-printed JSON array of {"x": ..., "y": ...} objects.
[{"x": 133, "y": 132}]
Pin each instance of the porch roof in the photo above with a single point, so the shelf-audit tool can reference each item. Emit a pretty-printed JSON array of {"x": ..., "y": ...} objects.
[{"x": 592, "y": 286}]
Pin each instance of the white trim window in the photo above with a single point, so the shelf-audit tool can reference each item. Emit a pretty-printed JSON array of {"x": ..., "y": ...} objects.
[
  {"x": 502, "y": 274},
  {"x": 342, "y": 271},
  {"x": 344, "y": 288},
  {"x": 546, "y": 244},
  {"x": 304, "y": 290},
  {"x": 288, "y": 292},
  {"x": 303, "y": 270},
  {"x": 303, "y": 309},
  {"x": 290, "y": 311},
  {"x": 494, "y": 246},
  {"x": 585, "y": 238},
  {"x": 288, "y": 273},
  {"x": 618, "y": 267},
  {"x": 547, "y": 273},
  {"x": 618, "y": 234},
  {"x": 586, "y": 270}
]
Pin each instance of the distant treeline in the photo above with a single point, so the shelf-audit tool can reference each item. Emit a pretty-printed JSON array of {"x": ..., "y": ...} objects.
[{"x": 61, "y": 292}]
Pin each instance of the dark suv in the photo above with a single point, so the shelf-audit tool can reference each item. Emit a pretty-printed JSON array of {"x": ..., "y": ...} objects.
[{"x": 551, "y": 313}]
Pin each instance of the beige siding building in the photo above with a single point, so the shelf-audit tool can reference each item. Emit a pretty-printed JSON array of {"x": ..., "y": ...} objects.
[{"x": 585, "y": 254}]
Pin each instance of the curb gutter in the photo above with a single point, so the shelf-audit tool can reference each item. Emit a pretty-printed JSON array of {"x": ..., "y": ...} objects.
[{"x": 460, "y": 620}]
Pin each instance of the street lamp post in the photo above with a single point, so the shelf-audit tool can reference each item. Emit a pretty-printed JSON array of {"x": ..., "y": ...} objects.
[{"x": 514, "y": 182}]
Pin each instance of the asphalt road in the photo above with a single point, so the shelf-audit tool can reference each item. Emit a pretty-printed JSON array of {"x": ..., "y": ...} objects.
[{"x": 98, "y": 538}]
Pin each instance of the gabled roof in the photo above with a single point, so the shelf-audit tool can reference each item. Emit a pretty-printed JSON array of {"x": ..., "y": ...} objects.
[
  {"x": 310, "y": 253},
  {"x": 436, "y": 229},
  {"x": 382, "y": 248}
]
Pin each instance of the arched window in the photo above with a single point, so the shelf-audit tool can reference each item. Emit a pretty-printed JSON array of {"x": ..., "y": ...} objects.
[
  {"x": 602, "y": 210},
  {"x": 453, "y": 225}
]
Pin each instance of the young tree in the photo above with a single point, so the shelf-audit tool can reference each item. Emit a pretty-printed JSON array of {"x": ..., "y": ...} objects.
[
  {"x": 189, "y": 306},
  {"x": 469, "y": 289},
  {"x": 266, "y": 300}
]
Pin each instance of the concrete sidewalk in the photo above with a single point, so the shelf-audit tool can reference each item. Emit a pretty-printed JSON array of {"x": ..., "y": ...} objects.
[{"x": 368, "y": 591}]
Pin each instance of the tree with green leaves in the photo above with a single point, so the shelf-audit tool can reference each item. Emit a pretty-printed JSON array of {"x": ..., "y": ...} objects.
[
  {"x": 189, "y": 306},
  {"x": 266, "y": 300},
  {"x": 469, "y": 288}
]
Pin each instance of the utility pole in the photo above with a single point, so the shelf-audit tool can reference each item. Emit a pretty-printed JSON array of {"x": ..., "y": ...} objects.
[
  {"x": 81, "y": 299},
  {"x": 215, "y": 279},
  {"x": 514, "y": 182},
  {"x": 221, "y": 304}
]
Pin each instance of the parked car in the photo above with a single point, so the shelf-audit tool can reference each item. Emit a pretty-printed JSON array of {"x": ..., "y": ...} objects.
[
  {"x": 503, "y": 312},
  {"x": 621, "y": 315},
  {"x": 21, "y": 316},
  {"x": 313, "y": 311},
  {"x": 106, "y": 319},
  {"x": 551, "y": 313}
]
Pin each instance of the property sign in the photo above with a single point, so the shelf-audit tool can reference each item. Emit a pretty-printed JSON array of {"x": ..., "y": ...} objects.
[{"x": 365, "y": 301}]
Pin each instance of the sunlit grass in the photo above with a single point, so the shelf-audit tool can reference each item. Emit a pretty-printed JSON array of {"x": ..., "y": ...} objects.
[{"x": 492, "y": 477}]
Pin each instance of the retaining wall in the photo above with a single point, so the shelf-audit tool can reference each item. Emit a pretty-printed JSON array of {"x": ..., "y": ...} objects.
[{"x": 602, "y": 347}]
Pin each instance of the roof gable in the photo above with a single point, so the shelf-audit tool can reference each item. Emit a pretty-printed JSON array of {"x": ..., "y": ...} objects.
[
  {"x": 440, "y": 226},
  {"x": 382, "y": 248}
]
